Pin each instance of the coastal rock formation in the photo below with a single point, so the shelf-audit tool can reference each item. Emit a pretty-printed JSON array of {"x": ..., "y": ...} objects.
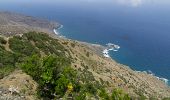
[{"x": 13, "y": 23}]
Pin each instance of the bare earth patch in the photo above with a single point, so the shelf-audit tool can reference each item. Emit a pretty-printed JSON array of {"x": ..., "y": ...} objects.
[{"x": 18, "y": 86}]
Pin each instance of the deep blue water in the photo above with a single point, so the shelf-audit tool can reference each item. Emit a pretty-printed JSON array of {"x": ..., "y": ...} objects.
[{"x": 140, "y": 27}]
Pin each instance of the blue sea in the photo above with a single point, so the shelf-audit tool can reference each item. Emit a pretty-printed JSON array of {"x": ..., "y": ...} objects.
[{"x": 140, "y": 27}]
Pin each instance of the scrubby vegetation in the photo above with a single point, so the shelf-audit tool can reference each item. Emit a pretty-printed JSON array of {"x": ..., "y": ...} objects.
[
  {"x": 49, "y": 64},
  {"x": 7, "y": 61},
  {"x": 2, "y": 40},
  {"x": 57, "y": 79}
]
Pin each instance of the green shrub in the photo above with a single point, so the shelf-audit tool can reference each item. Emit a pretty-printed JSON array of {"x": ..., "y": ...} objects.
[
  {"x": 45, "y": 43},
  {"x": 87, "y": 54},
  {"x": 2, "y": 40},
  {"x": 80, "y": 96},
  {"x": 32, "y": 67},
  {"x": 51, "y": 74},
  {"x": 52, "y": 71},
  {"x": 73, "y": 45},
  {"x": 103, "y": 94},
  {"x": 36, "y": 36},
  {"x": 4, "y": 71},
  {"x": 19, "y": 45},
  {"x": 2, "y": 47},
  {"x": 7, "y": 62},
  {"x": 166, "y": 98},
  {"x": 119, "y": 95}
]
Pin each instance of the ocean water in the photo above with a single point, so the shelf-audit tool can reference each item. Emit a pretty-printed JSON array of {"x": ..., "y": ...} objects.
[{"x": 140, "y": 27}]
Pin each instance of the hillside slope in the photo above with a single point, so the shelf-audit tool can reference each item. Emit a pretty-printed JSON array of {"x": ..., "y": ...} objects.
[
  {"x": 38, "y": 55},
  {"x": 14, "y": 23},
  {"x": 36, "y": 65},
  {"x": 86, "y": 56}
]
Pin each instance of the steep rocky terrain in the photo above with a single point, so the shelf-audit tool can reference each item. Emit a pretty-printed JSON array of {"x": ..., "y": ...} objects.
[
  {"x": 28, "y": 70},
  {"x": 117, "y": 75}
]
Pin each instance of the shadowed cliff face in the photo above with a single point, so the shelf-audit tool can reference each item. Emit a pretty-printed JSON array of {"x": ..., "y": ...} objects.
[{"x": 13, "y": 23}]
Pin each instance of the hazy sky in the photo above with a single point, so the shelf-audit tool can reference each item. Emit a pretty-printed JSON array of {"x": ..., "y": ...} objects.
[
  {"x": 128, "y": 3},
  {"x": 124, "y": 2}
]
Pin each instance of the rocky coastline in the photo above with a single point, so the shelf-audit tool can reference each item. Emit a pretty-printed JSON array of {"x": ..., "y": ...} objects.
[{"x": 90, "y": 56}]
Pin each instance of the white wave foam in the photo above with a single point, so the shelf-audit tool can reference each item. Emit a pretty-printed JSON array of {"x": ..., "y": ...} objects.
[
  {"x": 55, "y": 31},
  {"x": 110, "y": 47},
  {"x": 166, "y": 81},
  {"x": 61, "y": 26},
  {"x": 160, "y": 78},
  {"x": 106, "y": 53},
  {"x": 115, "y": 50},
  {"x": 114, "y": 46}
]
